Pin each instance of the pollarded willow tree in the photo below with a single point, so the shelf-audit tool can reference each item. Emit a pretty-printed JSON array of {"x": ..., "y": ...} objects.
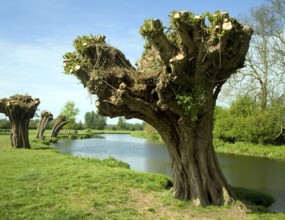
[
  {"x": 174, "y": 88},
  {"x": 46, "y": 117},
  {"x": 20, "y": 109},
  {"x": 60, "y": 122}
]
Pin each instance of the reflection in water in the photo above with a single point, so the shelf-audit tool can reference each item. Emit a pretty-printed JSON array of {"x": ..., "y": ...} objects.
[{"x": 256, "y": 173}]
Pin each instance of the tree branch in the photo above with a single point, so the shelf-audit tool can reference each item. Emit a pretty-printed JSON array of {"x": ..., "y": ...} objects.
[{"x": 152, "y": 30}]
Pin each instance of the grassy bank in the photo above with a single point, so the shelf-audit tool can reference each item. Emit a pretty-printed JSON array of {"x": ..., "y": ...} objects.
[
  {"x": 249, "y": 149},
  {"x": 152, "y": 137},
  {"x": 43, "y": 184},
  {"x": 239, "y": 148}
]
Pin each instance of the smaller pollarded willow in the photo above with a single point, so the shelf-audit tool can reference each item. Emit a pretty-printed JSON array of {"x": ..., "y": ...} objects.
[
  {"x": 60, "y": 122},
  {"x": 46, "y": 117},
  {"x": 19, "y": 109}
]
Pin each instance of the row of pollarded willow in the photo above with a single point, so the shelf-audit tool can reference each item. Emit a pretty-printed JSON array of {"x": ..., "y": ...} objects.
[
  {"x": 174, "y": 88},
  {"x": 46, "y": 117},
  {"x": 20, "y": 109}
]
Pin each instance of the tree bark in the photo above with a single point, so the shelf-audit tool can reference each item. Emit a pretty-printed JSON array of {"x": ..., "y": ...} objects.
[
  {"x": 20, "y": 109},
  {"x": 60, "y": 122},
  {"x": 19, "y": 133},
  {"x": 46, "y": 117},
  {"x": 196, "y": 171}
]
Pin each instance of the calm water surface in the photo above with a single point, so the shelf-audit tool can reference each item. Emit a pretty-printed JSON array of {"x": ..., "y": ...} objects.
[{"x": 261, "y": 174}]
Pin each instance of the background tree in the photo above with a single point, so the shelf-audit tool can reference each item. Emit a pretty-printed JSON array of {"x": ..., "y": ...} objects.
[
  {"x": 277, "y": 8},
  {"x": 263, "y": 78},
  {"x": 4, "y": 124},
  {"x": 262, "y": 81},
  {"x": 46, "y": 117},
  {"x": 100, "y": 122},
  {"x": 122, "y": 124},
  {"x": 33, "y": 125},
  {"x": 174, "y": 88},
  {"x": 79, "y": 126},
  {"x": 95, "y": 121},
  {"x": 20, "y": 109},
  {"x": 135, "y": 126},
  {"x": 244, "y": 121},
  {"x": 261, "y": 58},
  {"x": 70, "y": 112},
  {"x": 89, "y": 119}
]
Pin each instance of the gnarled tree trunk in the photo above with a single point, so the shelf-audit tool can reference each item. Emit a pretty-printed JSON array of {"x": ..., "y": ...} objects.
[
  {"x": 20, "y": 109},
  {"x": 60, "y": 122},
  {"x": 174, "y": 88},
  {"x": 196, "y": 171},
  {"x": 46, "y": 117}
]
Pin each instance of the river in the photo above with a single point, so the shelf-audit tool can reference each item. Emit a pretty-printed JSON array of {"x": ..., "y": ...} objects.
[{"x": 262, "y": 174}]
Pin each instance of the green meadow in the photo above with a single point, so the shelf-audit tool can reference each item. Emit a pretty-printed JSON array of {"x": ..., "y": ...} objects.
[{"x": 42, "y": 183}]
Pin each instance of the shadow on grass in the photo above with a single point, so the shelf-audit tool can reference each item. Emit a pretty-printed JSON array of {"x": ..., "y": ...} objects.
[
  {"x": 257, "y": 202},
  {"x": 254, "y": 200}
]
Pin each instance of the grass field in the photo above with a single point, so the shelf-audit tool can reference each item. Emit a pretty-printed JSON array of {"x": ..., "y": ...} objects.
[{"x": 43, "y": 184}]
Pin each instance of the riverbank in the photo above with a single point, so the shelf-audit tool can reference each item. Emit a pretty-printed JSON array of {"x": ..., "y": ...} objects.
[
  {"x": 43, "y": 184},
  {"x": 239, "y": 148}
]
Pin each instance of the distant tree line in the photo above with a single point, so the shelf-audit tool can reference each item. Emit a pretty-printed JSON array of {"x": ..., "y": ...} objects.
[
  {"x": 92, "y": 120},
  {"x": 122, "y": 124},
  {"x": 95, "y": 121}
]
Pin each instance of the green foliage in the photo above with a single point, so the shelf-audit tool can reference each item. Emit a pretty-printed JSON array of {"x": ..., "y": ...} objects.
[
  {"x": 75, "y": 61},
  {"x": 34, "y": 124},
  {"x": 215, "y": 18},
  {"x": 83, "y": 42},
  {"x": 191, "y": 102},
  {"x": 122, "y": 124},
  {"x": 70, "y": 111},
  {"x": 95, "y": 121},
  {"x": 4, "y": 124},
  {"x": 246, "y": 121},
  {"x": 151, "y": 28}
]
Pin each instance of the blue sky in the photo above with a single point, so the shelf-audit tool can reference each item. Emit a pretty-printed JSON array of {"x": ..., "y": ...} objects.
[{"x": 34, "y": 34}]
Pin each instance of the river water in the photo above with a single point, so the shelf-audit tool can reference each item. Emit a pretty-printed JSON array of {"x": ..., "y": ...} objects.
[{"x": 262, "y": 174}]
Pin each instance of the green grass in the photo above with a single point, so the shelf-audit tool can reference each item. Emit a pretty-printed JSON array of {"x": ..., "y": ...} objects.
[
  {"x": 43, "y": 184},
  {"x": 151, "y": 137},
  {"x": 257, "y": 150}
]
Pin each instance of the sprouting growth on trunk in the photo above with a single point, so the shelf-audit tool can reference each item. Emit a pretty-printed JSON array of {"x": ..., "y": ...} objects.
[
  {"x": 174, "y": 88},
  {"x": 20, "y": 109}
]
